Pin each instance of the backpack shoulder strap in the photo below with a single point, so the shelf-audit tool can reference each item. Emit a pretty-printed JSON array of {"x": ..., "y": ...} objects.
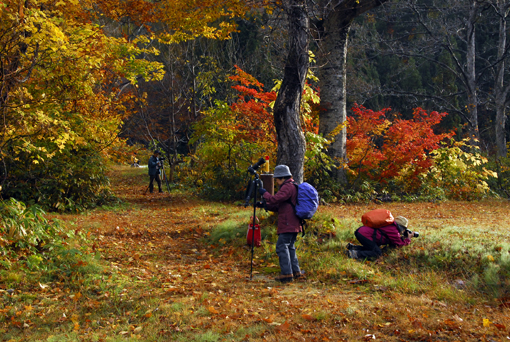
[{"x": 383, "y": 234}]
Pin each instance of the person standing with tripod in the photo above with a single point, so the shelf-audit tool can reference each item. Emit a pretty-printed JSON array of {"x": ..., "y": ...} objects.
[
  {"x": 155, "y": 163},
  {"x": 289, "y": 225}
]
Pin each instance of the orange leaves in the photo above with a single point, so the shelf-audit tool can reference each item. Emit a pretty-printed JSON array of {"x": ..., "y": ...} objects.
[
  {"x": 284, "y": 327},
  {"x": 500, "y": 326},
  {"x": 382, "y": 150},
  {"x": 140, "y": 11},
  {"x": 246, "y": 79},
  {"x": 254, "y": 119},
  {"x": 308, "y": 317},
  {"x": 269, "y": 319},
  {"x": 212, "y": 310}
]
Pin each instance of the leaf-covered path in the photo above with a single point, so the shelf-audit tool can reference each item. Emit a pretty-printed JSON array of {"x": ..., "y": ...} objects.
[
  {"x": 163, "y": 282},
  {"x": 204, "y": 293}
]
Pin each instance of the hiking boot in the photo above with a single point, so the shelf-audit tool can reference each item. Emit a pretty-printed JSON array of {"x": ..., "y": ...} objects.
[
  {"x": 284, "y": 278},
  {"x": 350, "y": 246},
  {"x": 351, "y": 253},
  {"x": 299, "y": 275}
]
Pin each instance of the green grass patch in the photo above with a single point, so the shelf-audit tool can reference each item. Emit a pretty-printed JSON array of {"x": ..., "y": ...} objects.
[{"x": 447, "y": 263}]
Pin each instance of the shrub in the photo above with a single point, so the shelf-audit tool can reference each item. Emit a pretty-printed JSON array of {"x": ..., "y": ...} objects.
[
  {"x": 501, "y": 184},
  {"x": 30, "y": 241},
  {"x": 25, "y": 228},
  {"x": 71, "y": 181},
  {"x": 380, "y": 150},
  {"x": 458, "y": 173}
]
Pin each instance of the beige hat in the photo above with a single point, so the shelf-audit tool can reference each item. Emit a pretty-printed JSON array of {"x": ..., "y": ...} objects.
[{"x": 401, "y": 220}]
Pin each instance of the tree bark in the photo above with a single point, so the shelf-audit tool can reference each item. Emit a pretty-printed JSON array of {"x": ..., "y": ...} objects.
[
  {"x": 332, "y": 78},
  {"x": 500, "y": 91},
  {"x": 291, "y": 140},
  {"x": 472, "y": 91}
]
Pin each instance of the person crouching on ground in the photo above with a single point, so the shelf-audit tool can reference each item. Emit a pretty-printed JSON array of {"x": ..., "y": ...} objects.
[
  {"x": 289, "y": 225},
  {"x": 154, "y": 166},
  {"x": 393, "y": 235}
]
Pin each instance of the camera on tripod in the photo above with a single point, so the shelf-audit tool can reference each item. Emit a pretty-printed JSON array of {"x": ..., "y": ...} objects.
[
  {"x": 410, "y": 233},
  {"x": 255, "y": 183},
  {"x": 253, "y": 168}
]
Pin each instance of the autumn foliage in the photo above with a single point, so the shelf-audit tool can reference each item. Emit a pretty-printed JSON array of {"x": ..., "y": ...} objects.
[
  {"x": 62, "y": 101},
  {"x": 381, "y": 150},
  {"x": 252, "y": 109}
]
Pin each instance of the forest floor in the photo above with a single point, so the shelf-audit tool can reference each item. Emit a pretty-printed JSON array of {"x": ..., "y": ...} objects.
[{"x": 155, "y": 276}]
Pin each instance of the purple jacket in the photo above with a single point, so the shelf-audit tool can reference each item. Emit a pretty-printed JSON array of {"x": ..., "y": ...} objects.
[
  {"x": 288, "y": 222},
  {"x": 392, "y": 235}
]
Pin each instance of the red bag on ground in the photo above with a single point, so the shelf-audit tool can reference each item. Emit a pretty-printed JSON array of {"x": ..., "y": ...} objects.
[
  {"x": 377, "y": 218},
  {"x": 256, "y": 234}
]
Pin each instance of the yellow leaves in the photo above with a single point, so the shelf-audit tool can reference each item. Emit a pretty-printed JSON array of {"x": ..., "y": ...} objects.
[
  {"x": 490, "y": 258},
  {"x": 486, "y": 322},
  {"x": 337, "y": 130}
]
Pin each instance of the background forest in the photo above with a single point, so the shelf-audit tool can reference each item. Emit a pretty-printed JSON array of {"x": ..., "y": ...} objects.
[
  {"x": 421, "y": 112},
  {"x": 371, "y": 101}
]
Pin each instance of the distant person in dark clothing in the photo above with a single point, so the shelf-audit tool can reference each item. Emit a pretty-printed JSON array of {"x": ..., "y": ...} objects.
[
  {"x": 371, "y": 239},
  {"x": 154, "y": 171}
]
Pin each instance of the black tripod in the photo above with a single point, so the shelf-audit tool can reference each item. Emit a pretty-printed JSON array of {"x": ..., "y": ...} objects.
[
  {"x": 251, "y": 192},
  {"x": 164, "y": 176}
]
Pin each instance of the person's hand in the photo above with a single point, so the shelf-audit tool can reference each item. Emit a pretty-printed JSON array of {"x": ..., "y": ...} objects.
[{"x": 262, "y": 191}]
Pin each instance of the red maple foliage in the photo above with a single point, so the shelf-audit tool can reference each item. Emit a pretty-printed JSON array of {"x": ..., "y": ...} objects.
[
  {"x": 382, "y": 150},
  {"x": 253, "y": 108}
]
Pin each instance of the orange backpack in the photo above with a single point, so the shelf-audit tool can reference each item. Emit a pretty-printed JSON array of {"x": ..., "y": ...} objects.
[{"x": 377, "y": 218}]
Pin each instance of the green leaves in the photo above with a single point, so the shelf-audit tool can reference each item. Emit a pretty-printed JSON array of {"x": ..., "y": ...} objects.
[{"x": 24, "y": 227}]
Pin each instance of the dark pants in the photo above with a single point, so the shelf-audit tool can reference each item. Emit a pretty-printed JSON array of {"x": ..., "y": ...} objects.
[
  {"x": 151, "y": 184},
  {"x": 287, "y": 253},
  {"x": 368, "y": 250}
]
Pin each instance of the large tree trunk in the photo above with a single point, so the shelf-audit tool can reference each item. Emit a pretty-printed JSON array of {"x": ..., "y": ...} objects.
[
  {"x": 472, "y": 91},
  {"x": 333, "y": 90},
  {"x": 500, "y": 91},
  {"x": 291, "y": 140},
  {"x": 336, "y": 25}
]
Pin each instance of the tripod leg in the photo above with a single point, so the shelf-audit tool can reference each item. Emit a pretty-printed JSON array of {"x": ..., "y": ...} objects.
[
  {"x": 166, "y": 180},
  {"x": 253, "y": 226}
]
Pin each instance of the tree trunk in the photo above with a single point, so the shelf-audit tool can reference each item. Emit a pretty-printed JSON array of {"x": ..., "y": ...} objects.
[
  {"x": 333, "y": 90},
  {"x": 472, "y": 91},
  {"x": 291, "y": 140},
  {"x": 336, "y": 26},
  {"x": 500, "y": 91}
]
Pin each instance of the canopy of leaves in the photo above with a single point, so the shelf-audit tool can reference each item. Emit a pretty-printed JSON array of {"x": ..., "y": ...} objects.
[{"x": 61, "y": 94}]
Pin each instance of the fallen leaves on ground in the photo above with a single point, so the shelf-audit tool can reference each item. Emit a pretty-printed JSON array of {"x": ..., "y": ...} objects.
[{"x": 162, "y": 279}]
